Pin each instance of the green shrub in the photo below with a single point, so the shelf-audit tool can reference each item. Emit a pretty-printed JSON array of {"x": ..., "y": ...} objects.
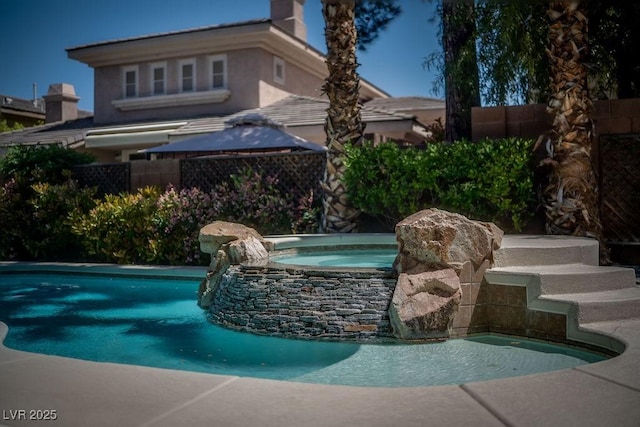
[
  {"x": 119, "y": 228},
  {"x": 12, "y": 221},
  {"x": 488, "y": 180},
  {"x": 24, "y": 224},
  {"x": 41, "y": 163},
  {"x": 50, "y": 237},
  {"x": 388, "y": 181},
  {"x": 35, "y": 224}
]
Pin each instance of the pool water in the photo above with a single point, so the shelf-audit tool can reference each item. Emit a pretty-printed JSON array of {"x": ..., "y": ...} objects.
[
  {"x": 153, "y": 322},
  {"x": 371, "y": 258}
]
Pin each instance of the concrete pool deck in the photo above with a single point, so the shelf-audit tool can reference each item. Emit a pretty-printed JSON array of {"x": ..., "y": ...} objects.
[{"x": 606, "y": 313}]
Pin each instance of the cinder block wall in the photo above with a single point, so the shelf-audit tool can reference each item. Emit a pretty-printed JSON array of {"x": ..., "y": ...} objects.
[
  {"x": 159, "y": 173},
  {"x": 616, "y": 116}
]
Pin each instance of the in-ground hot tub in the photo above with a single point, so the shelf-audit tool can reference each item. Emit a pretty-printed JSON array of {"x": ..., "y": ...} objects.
[{"x": 359, "y": 251}]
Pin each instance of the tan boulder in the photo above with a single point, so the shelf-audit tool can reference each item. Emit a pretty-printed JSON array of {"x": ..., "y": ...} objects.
[
  {"x": 218, "y": 233},
  {"x": 228, "y": 243},
  {"x": 436, "y": 248},
  {"x": 425, "y": 304},
  {"x": 434, "y": 235}
]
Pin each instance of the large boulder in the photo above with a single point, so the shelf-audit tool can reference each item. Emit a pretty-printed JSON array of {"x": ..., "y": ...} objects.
[
  {"x": 434, "y": 247},
  {"x": 434, "y": 235},
  {"x": 425, "y": 304},
  {"x": 228, "y": 243},
  {"x": 213, "y": 236}
]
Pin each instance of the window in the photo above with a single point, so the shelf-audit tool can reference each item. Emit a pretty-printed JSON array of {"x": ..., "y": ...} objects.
[
  {"x": 187, "y": 75},
  {"x": 130, "y": 82},
  {"x": 278, "y": 70},
  {"x": 158, "y": 75},
  {"x": 218, "y": 71}
]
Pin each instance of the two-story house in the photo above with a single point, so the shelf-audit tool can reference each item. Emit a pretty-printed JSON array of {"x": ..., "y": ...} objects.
[{"x": 160, "y": 88}]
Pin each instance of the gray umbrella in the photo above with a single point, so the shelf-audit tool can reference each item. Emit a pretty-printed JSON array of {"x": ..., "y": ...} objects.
[{"x": 251, "y": 132}]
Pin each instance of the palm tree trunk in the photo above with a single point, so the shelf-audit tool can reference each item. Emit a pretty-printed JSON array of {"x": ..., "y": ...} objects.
[
  {"x": 343, "y": 123},
  {"x": 571, "y": 197},
  {"x": 462, "y": 85}
]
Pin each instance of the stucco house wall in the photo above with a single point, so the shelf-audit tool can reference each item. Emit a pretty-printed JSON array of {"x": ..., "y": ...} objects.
[{"x": 244, "y": 68}]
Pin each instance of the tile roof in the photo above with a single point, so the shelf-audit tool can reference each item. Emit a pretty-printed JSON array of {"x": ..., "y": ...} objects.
[
  {"x": 20, "y": 104},
  {"x": 295, "y": 110},
  {"x": 292, "y": 111},
  {"x": 171, "y": 33},
  {"x": 406, "y": 103},
  {"x": 67, "y": 133}
]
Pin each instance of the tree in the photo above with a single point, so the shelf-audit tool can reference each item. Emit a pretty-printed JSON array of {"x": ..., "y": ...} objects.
[
  {"x": 514, "y": 66},
  {"x": 571, "y": 196},
  {"x": 342, "y": 86},
  {"x": 372, "y": 17},
  {"x": 513, "y": 62},
  {"x": 343, "y": 123},
  {"x": 5, "y": 127},
  {"x": 458, "y": 65},
  {"x": 614, "y": 36}
]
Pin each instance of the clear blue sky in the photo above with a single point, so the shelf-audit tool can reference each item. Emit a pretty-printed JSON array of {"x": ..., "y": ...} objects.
[{"x": 35, "y": 33}]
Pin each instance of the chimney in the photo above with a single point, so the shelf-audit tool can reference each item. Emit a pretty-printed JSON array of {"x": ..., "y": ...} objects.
[
  {"x": 61, "y": 103},
  {"x": 288, "y": 15}
]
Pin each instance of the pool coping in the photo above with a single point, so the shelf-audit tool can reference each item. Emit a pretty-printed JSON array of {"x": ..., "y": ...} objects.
[{"x": 94, "y": 393}]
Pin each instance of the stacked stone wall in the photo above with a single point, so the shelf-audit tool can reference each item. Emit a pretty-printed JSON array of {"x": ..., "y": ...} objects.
[{"x": 309, "y": 303}]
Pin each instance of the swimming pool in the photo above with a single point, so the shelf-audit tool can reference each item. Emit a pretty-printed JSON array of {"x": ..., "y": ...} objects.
[{"x": 156, "y": 322}]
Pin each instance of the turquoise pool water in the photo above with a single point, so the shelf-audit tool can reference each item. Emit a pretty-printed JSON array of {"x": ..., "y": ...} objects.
[
  {"x": 154, "y": 322},
  {"x": 371, "y": 258}
]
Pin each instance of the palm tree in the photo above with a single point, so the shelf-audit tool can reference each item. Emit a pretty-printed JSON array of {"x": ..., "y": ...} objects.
[
  {"x": 571, "y": 197},
  {"x": 343, "y": 123}
]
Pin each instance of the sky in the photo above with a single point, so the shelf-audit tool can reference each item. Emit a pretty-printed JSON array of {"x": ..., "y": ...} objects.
[{"x": 35, "y": 33}]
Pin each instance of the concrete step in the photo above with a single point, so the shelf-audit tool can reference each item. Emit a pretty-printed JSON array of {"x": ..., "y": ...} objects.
[
  {"x": 592, "y": 307},
  {"x": 563, "y": 278},
  {"x": 523, "y": 250}
]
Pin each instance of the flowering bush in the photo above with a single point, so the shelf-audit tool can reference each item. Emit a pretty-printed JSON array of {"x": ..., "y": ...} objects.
[
  {"x": 255, "y": 202},
  {"x": 177, "y": 223},
  {"x": 61, "y": 221}
]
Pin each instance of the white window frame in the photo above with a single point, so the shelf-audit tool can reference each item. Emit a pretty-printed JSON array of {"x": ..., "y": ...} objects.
[
  {"x": 152, "y": 78},
  {"x": 125, "y": 71},
  {"x": 181, "y": 64},
  {"x": 278, "y": 62},
  {"x": 216, "y": 58}
]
